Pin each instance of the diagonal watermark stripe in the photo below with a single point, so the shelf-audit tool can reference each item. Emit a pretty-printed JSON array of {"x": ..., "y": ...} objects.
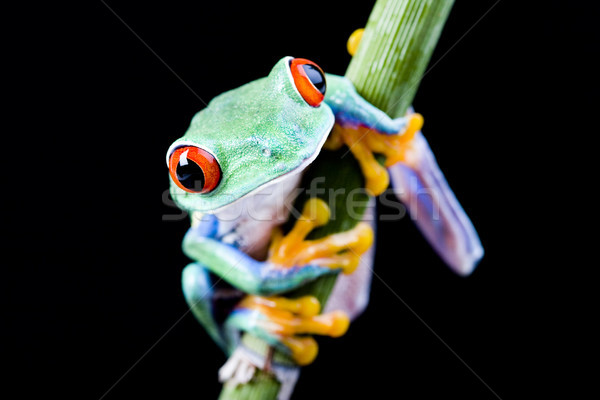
[
  {"x": 153, "y": 52},
  {"x": 155, "y": 344},
  {"x": 235, "y": 264},
  {"x": 427, "y": 326},
  {"x": 418, "y": 81},
  {"x": 221, "y": 278},
  {"x": 436, "y": 335}
]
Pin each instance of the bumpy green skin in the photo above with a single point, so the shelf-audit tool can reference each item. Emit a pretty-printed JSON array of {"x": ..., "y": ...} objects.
[
  {"x": 244, "y": 272},
  {"x": 350, "y": 108},
  {"x": 257, "y": 132},
  {"x": 265, "y": 129}
]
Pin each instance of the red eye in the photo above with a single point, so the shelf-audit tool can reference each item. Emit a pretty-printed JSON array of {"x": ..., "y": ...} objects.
[
  {"x": 194, "y": 170},
  {"x": 309, "y": 80}
]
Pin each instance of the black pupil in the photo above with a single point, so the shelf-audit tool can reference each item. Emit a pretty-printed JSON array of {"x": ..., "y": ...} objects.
[
  {"x": 315, "y": 76},
  {"x": 190, "y": 174}
]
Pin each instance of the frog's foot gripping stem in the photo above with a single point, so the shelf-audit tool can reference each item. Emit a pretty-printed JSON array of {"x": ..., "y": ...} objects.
[
  {"x": 418, "y": 183},
  {"x": 340, "y": 250},
  {"x": 363, "y": 142},
  {"x": 283, "y": 322}
]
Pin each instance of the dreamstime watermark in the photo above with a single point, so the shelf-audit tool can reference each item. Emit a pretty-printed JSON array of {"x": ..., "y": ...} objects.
[{"x": 277, "y": 204}]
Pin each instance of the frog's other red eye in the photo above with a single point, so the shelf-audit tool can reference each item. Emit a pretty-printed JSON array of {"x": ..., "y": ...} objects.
[
  {"x": 194, "y": 170},
  {"x": 309, "y": 80}
]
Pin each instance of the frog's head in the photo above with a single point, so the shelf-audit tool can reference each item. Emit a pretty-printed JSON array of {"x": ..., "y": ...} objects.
[{"x": 251, "y": 137}]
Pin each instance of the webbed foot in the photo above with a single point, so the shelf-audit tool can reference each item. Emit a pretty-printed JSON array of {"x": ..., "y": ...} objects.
[
  {"x": 363, "y": 142},
  {"x": 279, "y": 321},
  {"x": 339, "y": 250}
]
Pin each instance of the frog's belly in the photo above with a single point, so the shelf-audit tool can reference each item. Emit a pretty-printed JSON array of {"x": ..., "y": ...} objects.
[{"x": 248, "y": 223}]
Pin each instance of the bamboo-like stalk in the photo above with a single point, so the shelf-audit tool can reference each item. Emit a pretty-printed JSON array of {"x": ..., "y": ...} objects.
[
  {"x": 263, "y": 386},
  {"x": 395, "y": 48}
]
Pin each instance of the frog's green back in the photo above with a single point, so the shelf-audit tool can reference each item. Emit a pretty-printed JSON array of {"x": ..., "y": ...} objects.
[{"x": 257, "y": 132}]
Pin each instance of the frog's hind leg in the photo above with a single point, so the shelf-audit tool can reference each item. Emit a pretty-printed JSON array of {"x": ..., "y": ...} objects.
[
  {"x": 420, "y": 185},
  {"x": 283, "y": 323},
  {"x": 209, "y": 302}
]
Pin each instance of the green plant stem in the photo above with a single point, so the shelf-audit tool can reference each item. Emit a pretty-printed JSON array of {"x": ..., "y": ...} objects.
[
  {"x": 395, "y": 49},
  {"x": 262, "y": 387},
  {"x": 396, "y": 46}
]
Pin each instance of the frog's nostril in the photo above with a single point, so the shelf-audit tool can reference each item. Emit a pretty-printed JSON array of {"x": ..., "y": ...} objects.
[{"x": 194, "y": 170}]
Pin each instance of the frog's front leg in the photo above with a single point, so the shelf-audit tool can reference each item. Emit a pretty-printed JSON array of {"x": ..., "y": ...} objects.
[
  {"x": 245, "y": 273},
  {"x": 415, "y": 175},
  {"x": 284, "y": 322},
  {"x": 351, "y": 109},
  {"x": 367, "y": 131},
  {"x": 292, "y": 261},
  {"x": 364, "y": 142}
]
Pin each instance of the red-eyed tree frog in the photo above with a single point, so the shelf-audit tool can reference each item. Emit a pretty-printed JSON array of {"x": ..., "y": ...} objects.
[{"x": 238, "y": 166}]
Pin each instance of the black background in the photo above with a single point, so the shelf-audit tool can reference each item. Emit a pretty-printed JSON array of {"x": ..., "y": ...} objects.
[{"x": 95, "y": 303}]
